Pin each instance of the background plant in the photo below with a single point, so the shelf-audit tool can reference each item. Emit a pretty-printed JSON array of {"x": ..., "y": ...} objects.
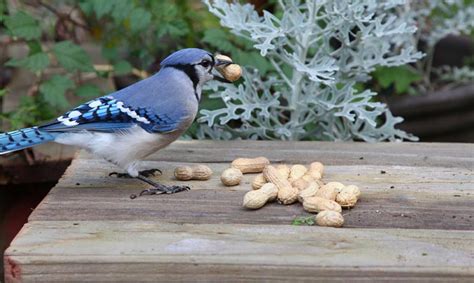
[
  {"x": 434, "y": 20},
  {"x": 318, "y": 89},
  {"x": 319, "y": 50},
  {"x": 322, "y": 53},
  {"x": 54, "y": 57},
  {"x": 132, "y": 36}
]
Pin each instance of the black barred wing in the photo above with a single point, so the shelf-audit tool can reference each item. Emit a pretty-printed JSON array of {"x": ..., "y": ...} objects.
[{"x": 107, "y": 114}]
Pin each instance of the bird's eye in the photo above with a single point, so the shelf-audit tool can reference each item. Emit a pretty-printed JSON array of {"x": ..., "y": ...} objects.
[{"x": 205, "y": 63}]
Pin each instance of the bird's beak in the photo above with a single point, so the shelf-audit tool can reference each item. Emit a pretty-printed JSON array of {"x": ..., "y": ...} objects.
[{"x": 221, "y": 63}]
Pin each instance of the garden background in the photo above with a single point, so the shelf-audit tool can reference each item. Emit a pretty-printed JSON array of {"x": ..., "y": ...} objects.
[{"x": 314, "y": 70}]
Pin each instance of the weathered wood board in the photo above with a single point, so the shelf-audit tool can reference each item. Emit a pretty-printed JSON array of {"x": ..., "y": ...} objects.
[
  {"x": 155, "y": 250},
  {"x": 415, "y": 220}
]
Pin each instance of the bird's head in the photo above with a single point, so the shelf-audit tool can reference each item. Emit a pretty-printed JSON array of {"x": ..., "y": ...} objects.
[{"x": 198, "y": 64}]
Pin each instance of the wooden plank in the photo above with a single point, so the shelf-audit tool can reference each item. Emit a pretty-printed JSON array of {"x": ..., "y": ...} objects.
[
  {"x": 88, "y": 229},
  {"x": 442, "y": 101},
  {"x": 330, "y": 153},
  {"x": 159, "y": 251},
  {"x": 401, "y": 197}
]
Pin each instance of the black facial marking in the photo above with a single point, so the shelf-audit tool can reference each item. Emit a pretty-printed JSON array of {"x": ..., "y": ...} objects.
[
  {"x": 190, "y": 72},
  {"x": 212, "y": 59}
]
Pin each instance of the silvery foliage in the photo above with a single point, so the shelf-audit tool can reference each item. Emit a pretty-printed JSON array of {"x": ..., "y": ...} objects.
[
  {"x": 455, "y": 75},
  {"x": 319, "y": 50},
  {"x": 436, "y": 20},
  {"x": 453, "y": 17}
]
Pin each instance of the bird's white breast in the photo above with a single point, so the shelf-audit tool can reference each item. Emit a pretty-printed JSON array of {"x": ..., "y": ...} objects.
[{"x": 122, "y": 148}]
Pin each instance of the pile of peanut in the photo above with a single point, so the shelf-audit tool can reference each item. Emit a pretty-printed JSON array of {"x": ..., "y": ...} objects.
[
  {"x": 285, "y": 184},
  {"x": 293, "y": 184}
]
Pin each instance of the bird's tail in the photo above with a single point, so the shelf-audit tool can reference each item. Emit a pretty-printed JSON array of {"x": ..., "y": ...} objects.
[{"x": 19, "y": 139}]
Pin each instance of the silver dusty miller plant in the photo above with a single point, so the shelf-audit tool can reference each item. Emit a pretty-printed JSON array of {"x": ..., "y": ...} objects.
[
  {"x": 436, "y": 20},
  {"x": 319, "y": 50}
]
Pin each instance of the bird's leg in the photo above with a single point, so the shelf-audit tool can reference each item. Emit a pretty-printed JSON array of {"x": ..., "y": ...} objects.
[
  {"x": 159, "y": 188},
  {"x": 145, "y": 173}
]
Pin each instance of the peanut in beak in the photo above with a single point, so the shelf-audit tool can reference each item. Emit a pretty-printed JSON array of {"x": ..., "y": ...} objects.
[{"x": 230, "y": 71}]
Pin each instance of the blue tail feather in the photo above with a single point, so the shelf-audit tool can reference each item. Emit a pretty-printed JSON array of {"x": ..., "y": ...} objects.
[{"x": 20, "y": 139}]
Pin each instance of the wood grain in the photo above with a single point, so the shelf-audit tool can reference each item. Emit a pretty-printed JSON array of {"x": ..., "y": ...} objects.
[
  {"x": 392, "y": 197},
  {"x": 147, "y": 251},
  {"x": 414, "y": 220},
  {"x": 330, "y": 153}
]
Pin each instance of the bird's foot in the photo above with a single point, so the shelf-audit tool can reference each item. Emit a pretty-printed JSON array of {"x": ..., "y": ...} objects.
[
  {"x": 162, "y": 189},
  {"x": 158, "y": 189},
  {"x": 145, "y": 173}
]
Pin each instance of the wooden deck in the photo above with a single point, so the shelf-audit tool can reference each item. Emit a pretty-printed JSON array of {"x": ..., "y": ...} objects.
[{"x": 415, "y": 220}]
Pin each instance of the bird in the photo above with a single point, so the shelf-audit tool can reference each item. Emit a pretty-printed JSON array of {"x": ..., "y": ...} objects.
[{"x": 128, "y": 125}]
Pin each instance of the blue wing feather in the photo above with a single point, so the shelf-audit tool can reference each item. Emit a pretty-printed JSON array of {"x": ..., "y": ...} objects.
[{"x": 107, "y": 114}]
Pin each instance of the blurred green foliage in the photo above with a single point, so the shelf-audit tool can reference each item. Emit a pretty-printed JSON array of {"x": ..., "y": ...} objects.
[
  {"x": 400, "y": 77},
  {"x": 132, "y": 35},
  {"x": 144, "y": 31},
  {"x": 436, "y": 19}
]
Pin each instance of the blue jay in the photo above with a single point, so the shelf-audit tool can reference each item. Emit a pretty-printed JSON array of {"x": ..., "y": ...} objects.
[{"x": 127, "y": 125}]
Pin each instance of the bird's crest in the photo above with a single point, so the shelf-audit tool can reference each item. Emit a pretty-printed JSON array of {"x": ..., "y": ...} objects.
[{"x": 185, "y": 57}]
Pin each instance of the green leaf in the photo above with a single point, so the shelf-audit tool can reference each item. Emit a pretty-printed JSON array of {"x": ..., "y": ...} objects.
[
  {"x": 72, "y": 57},
  {"x": 3, "y": 10},
  {"x": 401, "y": 77},
  {"x": 303, "y": 220},
  {"x": 88, "y": 91},
  {"x": 359, "y": 87},
  {"x": 34, "y": 63},
  {"x": 34, "y": 46},
  {"x": 174, "y": 29},
  {"x": 102, "y": 7},
  {"x": 109, "y": 53},
  {"x": 122, "y": 67},
  {"x": 3, "y": 92},
  {"x": 165, "y": 11},
  {"x": 310, "y": 220},
  {"x": 252, "y": 58},
  {"x": 23, "y": 25},
  {"x": 219, "y": 39},
  {"x": 139, "y": 19},
  {"x": 178, "y": 28},
  {"x": 162, "y": 29},
  {"x": 53, "y": 91},
  {"x": 86, "y": 7},
  {"x": 122, "y": 9}
]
